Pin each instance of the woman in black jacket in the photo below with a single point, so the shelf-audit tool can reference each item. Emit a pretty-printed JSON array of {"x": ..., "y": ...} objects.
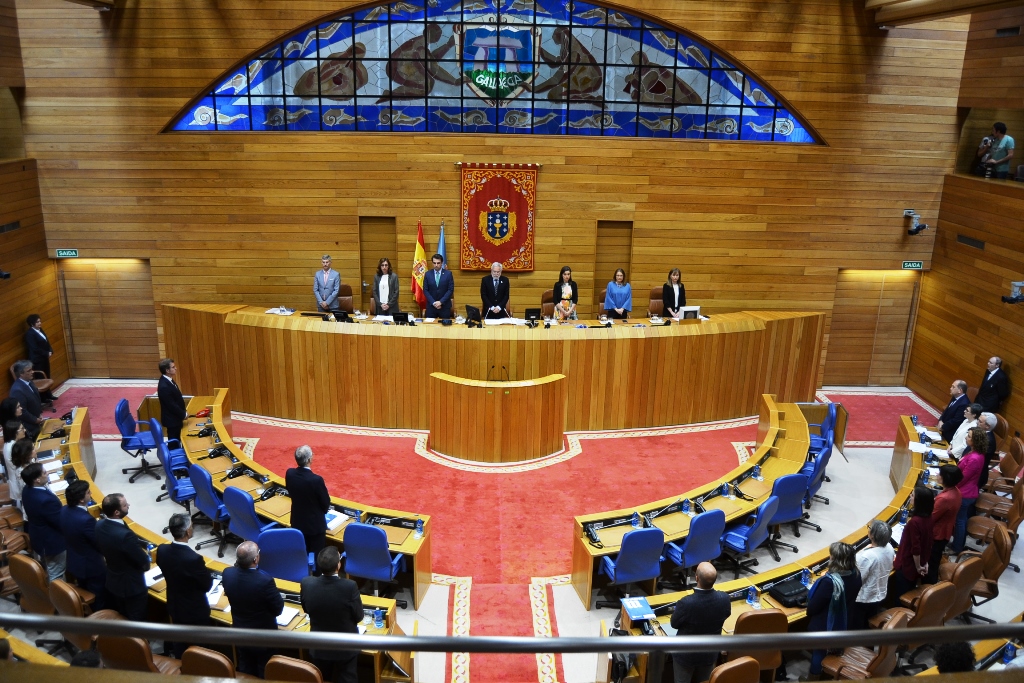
[{"x": 673, "y": 294}]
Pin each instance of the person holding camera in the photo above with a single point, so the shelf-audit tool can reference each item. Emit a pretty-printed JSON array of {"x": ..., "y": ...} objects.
[{"x": 995, "y": 152}]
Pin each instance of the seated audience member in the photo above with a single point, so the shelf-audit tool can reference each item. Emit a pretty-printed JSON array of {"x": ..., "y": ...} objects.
[
  {"x": 874, "y": 564},
  {"x": 42, "y": 521},
  {"x": 187, "y": 577},
  {"x": 25, "y": 393},
  {"x": 953, "y": 658},
  {"x": 702, "y": 613},
  {"x": 988, "y": 422},
  {"x": 618, "y": 298},
  {"x": 958, "y": 444},
  {"x": 255, "y": 603},
  {"x": 996, "y": 155},
  {"x": 565, "y": 295},
  {"x": 333, "y": 604},
  {"x": 85, "y": 561},
  {"x": 673, "y": 294},
  {"x": 971, "y": 465},
  {"x": 385, "y": 288},
  {"x": 953, "y": 415},
  {"x": 994, "y": 387},
  {"x": 947, "y": 505},
  {"x": 911, "y": 563},
  {"x": 87, "y": 659},
  {"x": 14, "y": 431},
  {"x": 832, "y": 598}
]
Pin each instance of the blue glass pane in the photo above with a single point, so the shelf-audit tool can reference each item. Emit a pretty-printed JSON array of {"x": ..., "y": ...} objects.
[
  {"x": 691, "y": 86},
  {"x": 300, "y": 115},
  {"x": 723, "y": 123},
  {"x": 516, "y": 119},
  {"x": 623, "y": 47},
  {"x": 660, "y": 40},
  {"x": 692, "y": 122},
  {"x": 757, "y": 123},
  {"x": 373, "y": 116},
  {"x": 657, "y": 124},
  {"x": 232, "y": 113},
  {"x": 620, "y": 123},
  {"x": 371, "y": 14},
  {"x": 520, "y": 9},
  {"x": 339, "y": 118},
  {"x": 692, "y": 54},
  {"x": 589, "y": 44},
  {"x": 265, "y": 78},
  {"x": 403, "y": 11},
  {"x": 719, "y": 63},
  {"x": 478, "y": 117},
  {"x": 548, "y": 119},
  {"x": 449, "y": 10},
  {"x": 404, "y": 117},
  {"x": 333, "y": 34},
  {"x": 296, "y": 81},
  {"x": 788, "y": 129},
  {"x": 300, "y": 45},
  {"x": 200, "y": 117},
  {"x": 442, "y": 118},
  {"x": 268, "y": 114},
  {"x": 756, "y": 95},
  {"x": 237, "y": 84},
  {"x": 726, "y": 87}
]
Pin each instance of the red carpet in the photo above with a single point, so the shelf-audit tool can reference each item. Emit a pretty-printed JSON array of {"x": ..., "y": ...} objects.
[
  {"x": 101, "y": 402},
  {"x": 875, "y": 417}
]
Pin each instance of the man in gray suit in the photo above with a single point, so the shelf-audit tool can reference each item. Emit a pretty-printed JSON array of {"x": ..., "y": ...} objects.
[{"x": 326, "y": 285}]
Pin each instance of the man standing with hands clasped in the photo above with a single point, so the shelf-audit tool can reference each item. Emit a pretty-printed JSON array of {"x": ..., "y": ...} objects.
[
  {"x": 700, "y": 614},
  {"x": 333, "y": 604},
  {"x": 326, "y": 285},
  {"x": 438, "y": 288},
  {"x": 494, "y": 293}
]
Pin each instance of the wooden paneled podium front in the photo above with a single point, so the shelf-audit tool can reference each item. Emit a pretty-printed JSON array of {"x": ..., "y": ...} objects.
[{"x": 497, "y": 422}]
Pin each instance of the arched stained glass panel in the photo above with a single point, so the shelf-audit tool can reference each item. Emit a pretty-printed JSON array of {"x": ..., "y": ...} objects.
[{"x": 550, "y": 67}]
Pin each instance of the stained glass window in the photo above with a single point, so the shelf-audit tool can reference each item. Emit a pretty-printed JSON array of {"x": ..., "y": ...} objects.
[{"x": 551, "y": 67}]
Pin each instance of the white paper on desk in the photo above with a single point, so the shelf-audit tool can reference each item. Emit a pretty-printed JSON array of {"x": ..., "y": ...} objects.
[
  {"x": 53, "y": 476},
  {"x": 213, "y": 595},
  {"x": 52, "y": 465},
  {"x": 921, "y": 429},
  {"x": 335, "y": 519},
  {"x": 429, "y": 320},
  {"x": 361, "y": 629},
  {"x": 934, "y": 436},
  {"x": 897, "y": 532},
  {"x": 287, "y": 615},
  {"x": 384, "y": 318},
  {"x": 916, "y": 447},
  {"x": 58, "y": 486},
  {"x": 940, "y": 453},
  {"x": 153, "y": 576}
]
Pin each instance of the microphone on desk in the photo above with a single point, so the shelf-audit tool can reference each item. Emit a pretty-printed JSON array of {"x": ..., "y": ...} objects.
[
  {"x": 489, "y": 373},
  {"x": 506, "y": 373}
]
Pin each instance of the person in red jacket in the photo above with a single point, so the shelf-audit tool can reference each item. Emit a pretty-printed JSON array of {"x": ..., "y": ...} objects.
[
  {"x": 947, "y": 505},
  {"x": 911, "y": 563}
]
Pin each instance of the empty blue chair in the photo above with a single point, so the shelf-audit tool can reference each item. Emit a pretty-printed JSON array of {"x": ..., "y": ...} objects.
[
  {"x": 210, "y": 506},
  {"x": 178, "y": 458},
  {"x": 242, "y": 509},
  {"x": 134, "y": 442},
  {"x": 826, "y": 429},
  {"x": 283, "y": 554},
  {"x": 639, "y": 559},
  {"x": 367, "y": 555},
  {"x": 180, "y": 491},
  {"x": 703, "y": 542},
  {"x": 743, "y": 539},
  {"x": 790, "y": 490}
]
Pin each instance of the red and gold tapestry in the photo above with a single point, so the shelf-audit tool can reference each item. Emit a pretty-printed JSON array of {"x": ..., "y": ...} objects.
[{"x": 498, "y": 209}]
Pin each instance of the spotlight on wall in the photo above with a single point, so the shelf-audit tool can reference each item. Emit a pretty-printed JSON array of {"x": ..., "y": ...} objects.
[
  {"x": 1016, "y": 293},
  {"x": 4, "y": 275},
  {"x": 916, "y": 226}
]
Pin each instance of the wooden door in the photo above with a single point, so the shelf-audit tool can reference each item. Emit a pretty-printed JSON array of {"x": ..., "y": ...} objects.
[
  {"x": 614, "y": 250},
  {"x": 109, "y": 316},
  {"x": 377, "y": 239},
  {"x": 872, "y": 325}
]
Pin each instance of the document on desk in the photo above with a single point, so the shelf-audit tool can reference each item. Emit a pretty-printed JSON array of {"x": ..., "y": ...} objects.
[
  {"x": 917, "y": 447},
  {"x": 638, "y": 609},
  {"x": 58, "y": 486},
  {"x": 336, "y": 519},
  {"x": 286, "y": 616},
  {"x": 504, "y": 321},
  {"x": 52, "y": 465},
  {"x": 213, "y": 595},
  {"x": 897, "y": 532},
  {"x": 153, "y": 576},
  {"x": 940, "y": 453},
  {"x": 384, "y": 318}
]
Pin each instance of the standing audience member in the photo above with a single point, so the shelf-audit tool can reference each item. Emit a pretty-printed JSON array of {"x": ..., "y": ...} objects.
[
  {"x": 951, "y": 658},
  {"x": 911, "y": 563},
  {"x": 999, "y": 151},
  {"x": 988, "y": 422},
  {"x": 953, "y": 415},
  {"x": 333, "y": 604},
  {"x": 187, "y": 577},
  {"x": 618, "y": 298},
  {"x": 326, "y": 286},
  {"x": 310, "y": 500},
  {"x": 947, "y": 505},
  {"x": 385, "y": 288},
  {"x": 255, "y": 603},
  {"x": 673, "y": 294},
  {"x": 971, "y": 465},
  {"x": 24, "y": 391},
  {"x": 438, "y": 288},
  {"x": 127, "y": 559},
  {"x": 85, "y": 561},
  {"x": 958, "y": 444},
  {"x": 566, "y": 295},
  {"x": 42, "y": 513},
  {"x": 172, "y": 403},
  {"x": 995, "y": 386},
  {"x": 38, "y": 348},
  {"x": 14, "y": 431},
  {"x": 874, "y": 564},
  {"x": 701, "y": 613},
  {"x": 832, "y": 598}
]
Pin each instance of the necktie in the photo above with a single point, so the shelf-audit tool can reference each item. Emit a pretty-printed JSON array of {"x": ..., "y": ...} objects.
[
  {"x": 325, "y": 277},
  {"x": 437, "y": 279},
  {"x": 495, "y": 286}
]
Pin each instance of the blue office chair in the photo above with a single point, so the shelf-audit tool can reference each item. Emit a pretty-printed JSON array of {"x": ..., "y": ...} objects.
[
  {"x": 243, "y": 521},
  {"x": 211, "y": 510},
  {"x": 743, "y": 539},
  {"x": 639, "y": 559},
  {"x": 283, "y": 554},
  {"x": 367, "y": 556},
  {"x": 176, "y": 456},
  {"x": 826, "y": 429},
  {"x": 790, "y": 490},
  {"x": 134, "y": 442},
  {"x": 180, "y": 491},
  {"x": 703, "y": 543}
]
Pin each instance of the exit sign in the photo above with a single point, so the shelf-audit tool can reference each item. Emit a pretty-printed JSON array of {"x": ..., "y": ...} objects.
[
  {"x": 913, "y": 265},
  {"x": 73, "y": 253}
]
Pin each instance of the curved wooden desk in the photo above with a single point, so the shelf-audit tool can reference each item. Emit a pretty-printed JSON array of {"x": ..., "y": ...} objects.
[
  {"x": 376, "y": 375},
  {"x": 497, "y": 421}
]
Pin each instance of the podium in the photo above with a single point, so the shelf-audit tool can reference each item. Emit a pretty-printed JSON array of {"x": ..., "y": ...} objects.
[{"x": 497, "y": 422}]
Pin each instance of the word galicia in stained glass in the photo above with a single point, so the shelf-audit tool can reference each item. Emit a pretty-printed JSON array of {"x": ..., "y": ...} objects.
[{"x": 549, "y": 67}]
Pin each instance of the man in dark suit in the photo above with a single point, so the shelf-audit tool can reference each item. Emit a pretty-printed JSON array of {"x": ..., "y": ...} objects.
[
  {"x": 333, "y": 604},
  {"x": 188, "y": 579},
  {"x": 953, "y": 415},
  {"x": 995, "y": 386},
  {"x": 255, "y": 603},
  {"x": 42, "y": 521},
  {"x": 85, "y": 561},
  {"x": 28, "y": 396},
  {"x": 310, "y": 500},
  {"x": 494, "y": 289},
  {"x": 701, "y": 613},
  {"x": 172, "y": 403},
  {"x": 37, "y": 345},
  {"x": 127, "y": 559},
  {"x": 438, "y": 288}
]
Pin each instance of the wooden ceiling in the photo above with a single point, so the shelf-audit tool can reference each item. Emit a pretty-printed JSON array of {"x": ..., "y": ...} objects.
[{"x": 899, "y": 12}]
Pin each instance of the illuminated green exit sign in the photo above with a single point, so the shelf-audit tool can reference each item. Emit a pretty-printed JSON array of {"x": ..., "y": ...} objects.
[
  {"x": 913, "y": 265},
  {"x": 73, "y": 253}
]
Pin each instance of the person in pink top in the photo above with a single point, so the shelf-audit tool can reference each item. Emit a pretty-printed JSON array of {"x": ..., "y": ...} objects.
[{"x": 971, "y": 465}]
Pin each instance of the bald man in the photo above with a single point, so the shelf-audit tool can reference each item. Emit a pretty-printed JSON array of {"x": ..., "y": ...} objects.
[
  {"x": 255, "y": 603},
  {"x": 700, "y": 614}
]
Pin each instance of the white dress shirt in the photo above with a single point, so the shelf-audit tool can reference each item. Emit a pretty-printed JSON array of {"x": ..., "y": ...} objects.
[
  {"x": 958, "y": 444},
  {"x": 874, "y": 565},
  {"x": 385, "y": 290}
]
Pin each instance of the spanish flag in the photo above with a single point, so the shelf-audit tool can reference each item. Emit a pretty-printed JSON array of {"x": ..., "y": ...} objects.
[{"x": 419, "y": 267}]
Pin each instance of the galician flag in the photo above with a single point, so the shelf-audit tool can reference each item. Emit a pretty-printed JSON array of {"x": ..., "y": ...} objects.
[
  {"x": 442, "y": 248},
  {"x": 419, "y": 267}
]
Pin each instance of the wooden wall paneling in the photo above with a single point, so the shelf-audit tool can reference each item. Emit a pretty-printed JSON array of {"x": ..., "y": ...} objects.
[
  {"x": 12, "y": 142},
  {"x": 961, "y": 321},
  {"x": 197, "y": 336},
  {"x": 992, "y": 74},
  {"x": 614, "y": 250},
  {"x": 32, "y": 287},
  {"x": 894, "y": 329},
  {"x": 377, "y": 239},
  {"x": 12, "y": 74}
]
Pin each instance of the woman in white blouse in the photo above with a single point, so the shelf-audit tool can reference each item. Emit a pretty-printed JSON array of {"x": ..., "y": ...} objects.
[
  {"x": 673, "y": 294},
  {"x": 385, "y": 288}
]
